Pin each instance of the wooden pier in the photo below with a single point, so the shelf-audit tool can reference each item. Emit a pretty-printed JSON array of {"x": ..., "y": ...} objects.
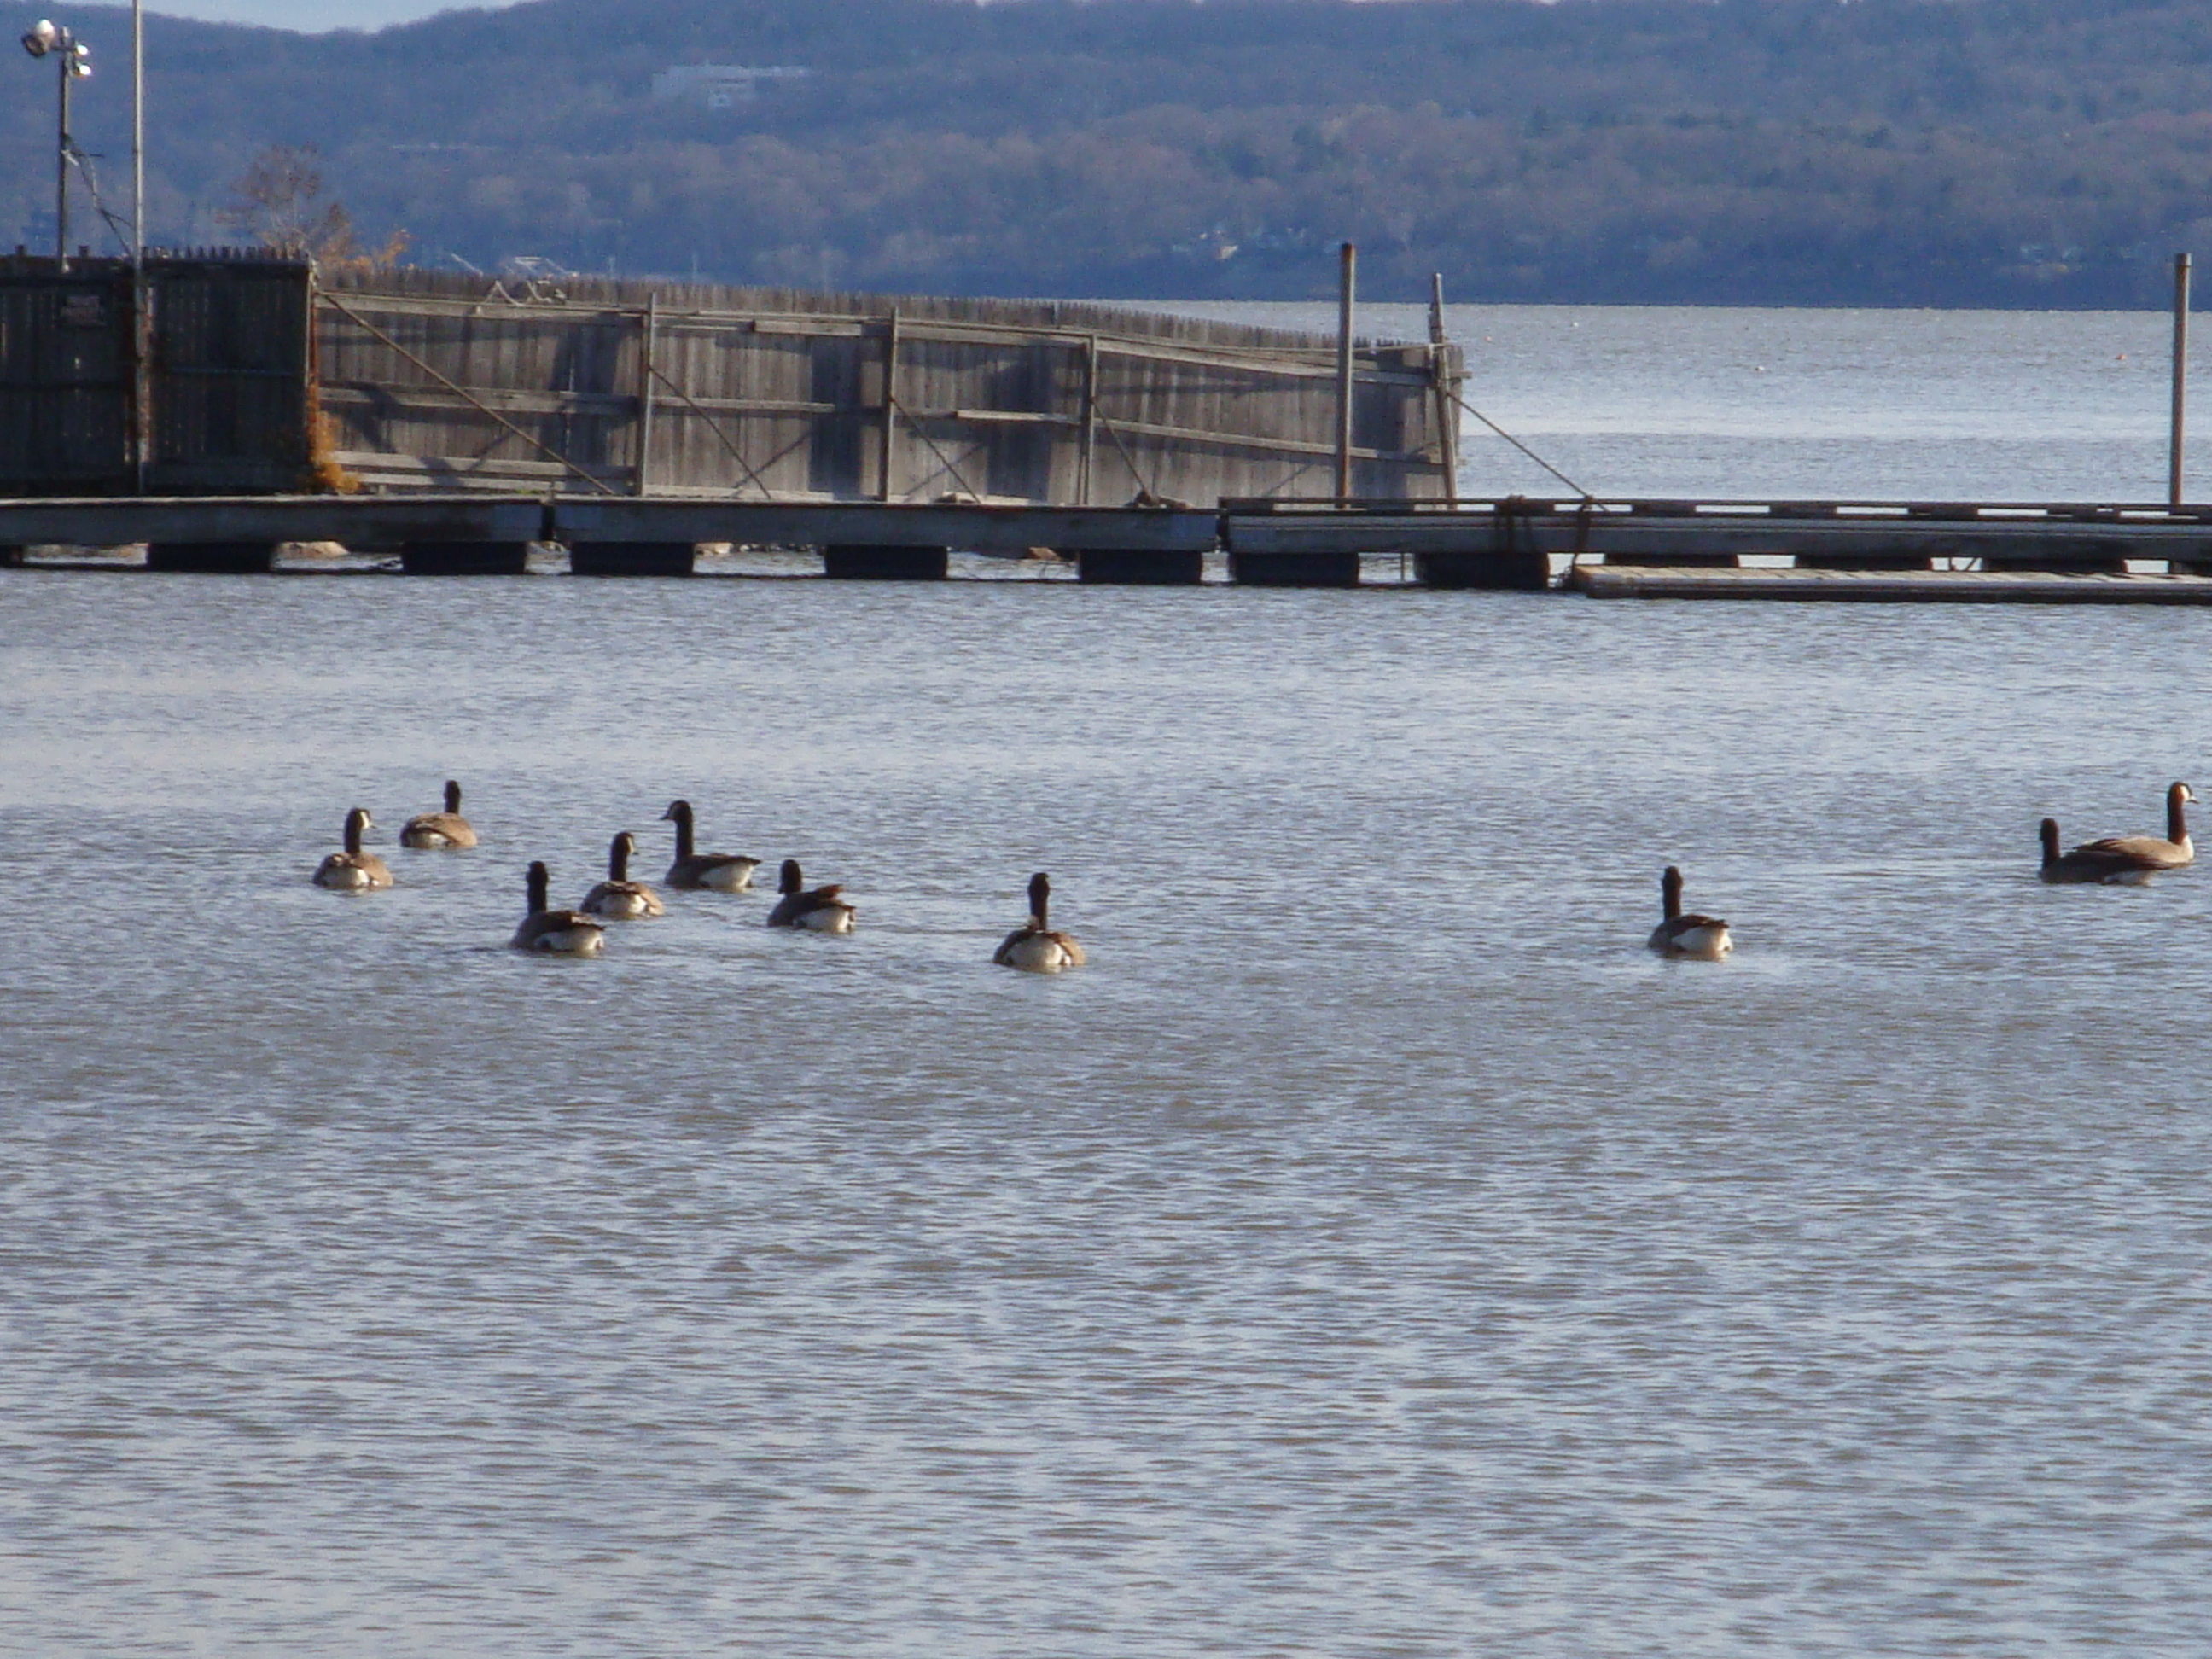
[
  {"x": 226, "y": 372},
  {"x": 1892, "y": 586},
  {"x": 2076, "y": 553}
]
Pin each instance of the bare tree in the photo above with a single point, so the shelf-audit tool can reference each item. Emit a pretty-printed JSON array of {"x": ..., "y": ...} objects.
[{"x": 279, "y": 203}]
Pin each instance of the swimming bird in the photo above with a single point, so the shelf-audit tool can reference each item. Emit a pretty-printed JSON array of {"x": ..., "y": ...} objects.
[
  {"x": 2125, "y": 858},
  {"x": 353, "y": 870},
  {"x": 821, "y": 911},
  {"x": 2080, "y": 865},
  {"x": 563, "y": 932},
  {"x": 725, "y": 872},
  {"x": 618, "y": 896},
  {"x": 1705, "y": 937},
  {"x": 433, "y": 831},
  {"x": 1034, "y": 947}
]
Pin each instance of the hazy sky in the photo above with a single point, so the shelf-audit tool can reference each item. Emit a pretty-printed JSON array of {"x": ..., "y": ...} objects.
[{"x": 312, "y": 14}]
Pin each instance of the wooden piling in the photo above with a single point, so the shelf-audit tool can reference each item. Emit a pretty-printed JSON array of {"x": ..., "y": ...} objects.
[
  {"x": 887, "y": 431},
  {"x": 1140, "y": 567},
  {"x": 1294, "y": 569},
  {"x": 1087, "y": 459},
  {"x": 632, "y": 558},
  {"x": 1442, "y": 390},
  {"x": 646, "y": 392},
  {"x": 849, "y": 561},
  {"x": 2174, "y": 443},
  {"x": 214, "y": 558},
  {"x": 1347, "y": 277},
  {"x": 464, "y": 558},
  {"x": 1514, "y": 570}
]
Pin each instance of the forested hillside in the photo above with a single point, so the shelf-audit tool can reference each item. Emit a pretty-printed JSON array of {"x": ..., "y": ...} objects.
[{"x": 2002, "y": 152}]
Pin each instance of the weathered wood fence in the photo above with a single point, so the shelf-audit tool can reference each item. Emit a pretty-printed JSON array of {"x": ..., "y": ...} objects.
[
  {"x": 439, "y": 381},
  {"x": 422, "y": 380},
  {"x": 212, "y": 396}
]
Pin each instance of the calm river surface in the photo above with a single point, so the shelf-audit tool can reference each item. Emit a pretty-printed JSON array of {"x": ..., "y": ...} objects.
[{"x": 1374, "y": 1252}]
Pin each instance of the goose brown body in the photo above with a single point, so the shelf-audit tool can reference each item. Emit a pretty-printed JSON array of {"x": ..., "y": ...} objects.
[
  {"x": 2079, "y": 866},
  {"x": 618, "y": 898},
  {"x": 721, "y": 872},
  {"x": 354, "y": 870},
  {"x": 558, "y": 932},
  {"x": 446, "y": 831},
  {"x": 1681, "y": 933},
  {"x": 1035, "y": 947},
  {"x": 822, "y": 910},
  {"x": 2125, "y": 858}
]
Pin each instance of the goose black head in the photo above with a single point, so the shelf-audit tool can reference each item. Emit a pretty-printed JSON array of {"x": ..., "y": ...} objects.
[
  {"x": 453, "y": 796},
  {"x": 789, "y": 880},
  {"x": 1040, "y": 895},
  {"x": 679, "y": 812},
  {"x": 540, "y": 881}
]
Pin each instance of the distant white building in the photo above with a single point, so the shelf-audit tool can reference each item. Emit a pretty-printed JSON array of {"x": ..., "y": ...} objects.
[{"x": 720, "y": 86}]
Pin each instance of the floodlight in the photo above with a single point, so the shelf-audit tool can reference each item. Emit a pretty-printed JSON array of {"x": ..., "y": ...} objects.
[{"x": 41, "y": 38}]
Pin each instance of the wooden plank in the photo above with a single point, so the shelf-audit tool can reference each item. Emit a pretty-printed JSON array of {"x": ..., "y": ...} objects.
[
  {"x": 918, "y": 329},
  {"x": 115, "y": 523},
  {"x": 647, "y": 386},
  {"x": 997, "y": 529},
  {"x": 887, "y": 414},
  {"x": 1198, "y": 436},
  {"x": 1637, "y": 536},
  {"x": 818, "y": 328},
  {"x": 1889, "y": 586},
  {"x": 358, "y": 394},
  {"x": 417, "y": 467}
]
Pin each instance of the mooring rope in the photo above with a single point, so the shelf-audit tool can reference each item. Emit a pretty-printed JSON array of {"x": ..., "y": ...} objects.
[{"x": 1522, "y": 447}]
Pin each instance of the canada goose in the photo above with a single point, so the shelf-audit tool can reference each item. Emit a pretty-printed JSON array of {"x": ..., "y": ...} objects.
[
  {"x": 1033, "y": 946},
  {"x": 433, "y": 831},
  {"x": 821, "y": 911},
  {"x": 726, "y": 872},
  {"x": 2081, "y": 865},
  {"x": 1705, "y": 937},
  {"x": 564, "y": 932},
  {"x": 2125, "y": 858},
  {"x": 619, "y": 896},
  {"x": 353, "y": 870}
]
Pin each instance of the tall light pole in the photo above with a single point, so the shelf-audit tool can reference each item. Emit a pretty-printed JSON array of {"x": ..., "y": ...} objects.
[
  {"x": 73, "y": 58},
  {"x": 138, "y": 138}
]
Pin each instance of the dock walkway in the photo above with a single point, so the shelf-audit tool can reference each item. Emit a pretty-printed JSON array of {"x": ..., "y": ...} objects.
[
  {"x": 1910, "y": 551},
  {"x": 1892, "y": 586}
]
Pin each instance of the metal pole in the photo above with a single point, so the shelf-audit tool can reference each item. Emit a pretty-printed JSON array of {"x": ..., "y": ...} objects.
[
  {"x": 65, "y": 61},
  {"x": 140, "y": 325},
  {"x": 1089, "y": 420},
  {"x": 887, "y": 433},
  {"x": 648, "y": 333},
  {"x": 1347, "y": 276},
  {"x": 138, "y": 134},
  {"x": 1440, "y": 385},
  {"x": 2180, "y": 377}
]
